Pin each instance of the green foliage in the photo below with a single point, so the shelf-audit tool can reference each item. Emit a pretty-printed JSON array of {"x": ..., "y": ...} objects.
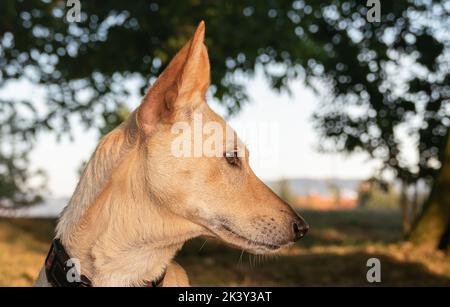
[
  {"x": 113, "y": 119},
  {"x": 379, "y": 198},
  {"x": 328, "y": 44},
  {"x": 387, "y": 76},
  {"x": 15, "y": 188}
]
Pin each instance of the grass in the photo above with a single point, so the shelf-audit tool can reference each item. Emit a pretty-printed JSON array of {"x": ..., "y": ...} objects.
[
  {"x": 24, "y": 244},
  {"x": 335, "y": 252}
]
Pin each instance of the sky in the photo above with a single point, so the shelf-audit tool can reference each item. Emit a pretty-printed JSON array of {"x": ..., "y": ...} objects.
[{"x": 290, "y": 151}]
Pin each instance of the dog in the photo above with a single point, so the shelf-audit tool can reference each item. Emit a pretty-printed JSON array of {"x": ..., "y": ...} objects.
[{"x": 136, "y": 203}]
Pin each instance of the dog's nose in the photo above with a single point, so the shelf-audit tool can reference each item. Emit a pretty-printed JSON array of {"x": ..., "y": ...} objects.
[{"x": 300, "y": 228}]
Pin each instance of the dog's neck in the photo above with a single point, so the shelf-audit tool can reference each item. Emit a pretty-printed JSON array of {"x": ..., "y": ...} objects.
[{"x": 123, "y": 237}]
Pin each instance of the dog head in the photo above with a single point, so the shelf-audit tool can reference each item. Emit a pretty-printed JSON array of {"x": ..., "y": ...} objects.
[{"x": 200, "y": 171}]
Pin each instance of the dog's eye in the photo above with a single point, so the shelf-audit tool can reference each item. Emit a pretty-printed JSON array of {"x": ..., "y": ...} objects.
[{"x": 232, "y": 158}]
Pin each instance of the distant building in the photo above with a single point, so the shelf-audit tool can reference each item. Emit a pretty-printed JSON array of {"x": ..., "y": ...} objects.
[
  {"x": 318, "y": 194},
  {"x": 322, "y": 202}
]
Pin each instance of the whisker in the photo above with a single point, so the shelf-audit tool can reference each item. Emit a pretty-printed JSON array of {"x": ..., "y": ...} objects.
[
  {"x": 240, "y": 258},
  {"x": 204, "y": 243}
]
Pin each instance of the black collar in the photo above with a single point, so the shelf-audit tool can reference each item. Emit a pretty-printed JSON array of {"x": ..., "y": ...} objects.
[{"x": 58, "y": 270}]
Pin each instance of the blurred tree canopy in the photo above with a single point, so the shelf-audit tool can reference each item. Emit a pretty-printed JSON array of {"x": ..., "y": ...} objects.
[{"x": 375, "y": 79}]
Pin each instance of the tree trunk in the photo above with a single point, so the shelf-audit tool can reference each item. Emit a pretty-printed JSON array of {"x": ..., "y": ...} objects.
[
  {"x": 415, "y": 203},
  {"x": 433, "y": 226},
  {"x": 404, "y": 207}
]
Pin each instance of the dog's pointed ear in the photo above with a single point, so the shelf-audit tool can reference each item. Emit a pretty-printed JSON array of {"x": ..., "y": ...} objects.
[
  {"x": 195, "y": 76},
  {"x": 182, "y": 84}
]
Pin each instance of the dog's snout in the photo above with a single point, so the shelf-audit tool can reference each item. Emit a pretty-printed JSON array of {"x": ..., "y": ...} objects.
[{"x": 300, "y": 228}]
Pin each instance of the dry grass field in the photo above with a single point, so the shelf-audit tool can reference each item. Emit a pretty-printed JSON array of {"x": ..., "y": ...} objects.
[{"x": 334, "y": 253}]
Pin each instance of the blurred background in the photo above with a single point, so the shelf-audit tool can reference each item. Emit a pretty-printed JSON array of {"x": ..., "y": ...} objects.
[{"x": 358, "y": 99}]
